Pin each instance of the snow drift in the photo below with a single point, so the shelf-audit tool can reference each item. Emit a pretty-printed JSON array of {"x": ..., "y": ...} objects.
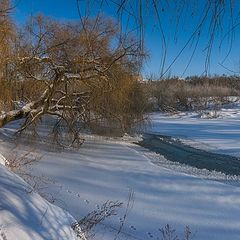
[{"x": 26, "y": 215}]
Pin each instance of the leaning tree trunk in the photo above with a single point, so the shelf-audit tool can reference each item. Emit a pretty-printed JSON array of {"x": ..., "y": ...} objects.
[
  {"x": 24, "y": 112},
  {"x": 12, "y": 116}
]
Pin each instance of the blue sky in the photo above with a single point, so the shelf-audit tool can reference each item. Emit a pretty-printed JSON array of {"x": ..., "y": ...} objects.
[{"x": 67, "y": 10}]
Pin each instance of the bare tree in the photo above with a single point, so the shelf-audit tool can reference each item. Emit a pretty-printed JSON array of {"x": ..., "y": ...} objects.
[{"x": 85, "y": 73}]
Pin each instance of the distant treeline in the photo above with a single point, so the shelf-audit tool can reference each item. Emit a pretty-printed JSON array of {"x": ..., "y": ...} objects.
[{"x": 192, "y": 93}]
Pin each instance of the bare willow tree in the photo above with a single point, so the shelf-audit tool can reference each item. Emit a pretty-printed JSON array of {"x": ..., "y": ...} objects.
[{"x": 85, "y": 73}]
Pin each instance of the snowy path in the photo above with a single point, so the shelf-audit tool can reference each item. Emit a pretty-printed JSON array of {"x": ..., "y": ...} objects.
[{"x": 104, "y": 170}]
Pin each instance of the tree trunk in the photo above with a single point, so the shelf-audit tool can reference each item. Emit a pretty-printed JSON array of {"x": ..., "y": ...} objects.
[{"x": 12, "y": 116}]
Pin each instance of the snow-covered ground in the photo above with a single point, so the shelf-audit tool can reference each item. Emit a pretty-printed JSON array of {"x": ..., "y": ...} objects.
[
  {"x": 102, "y": 169},
  {"x": 221, "y": 134},
  {"x": 79, "y": 181},
  {"x": 25, "y": 215}
]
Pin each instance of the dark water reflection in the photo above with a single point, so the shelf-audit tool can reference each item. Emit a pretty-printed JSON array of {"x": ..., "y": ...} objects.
[{"x": 174, "y": 150}]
